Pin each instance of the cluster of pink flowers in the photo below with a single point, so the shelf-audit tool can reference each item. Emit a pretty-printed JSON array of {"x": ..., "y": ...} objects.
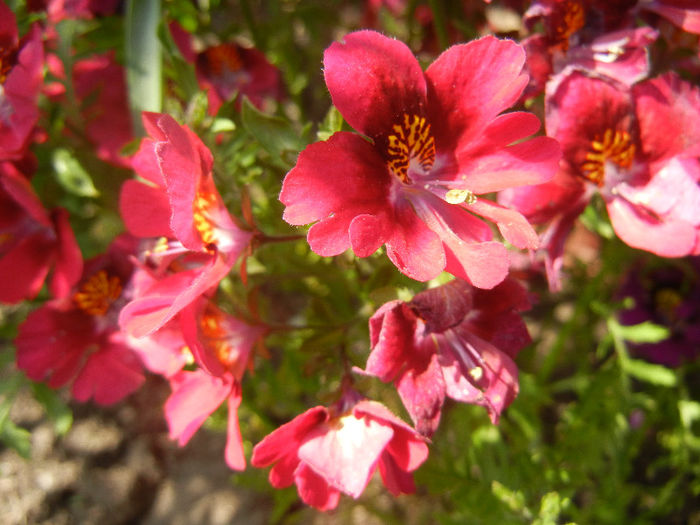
[{"x": 439, "y": 172}]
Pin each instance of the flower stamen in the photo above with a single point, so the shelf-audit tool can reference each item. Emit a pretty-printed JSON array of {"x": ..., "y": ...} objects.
[
  {"x": 615, "y": 146},
  {"x": 203, "y": 202},
  {"x": 216, "y": 338},
  {"x": 411, "y": 141},
  {"x": 98, "y": 293}
]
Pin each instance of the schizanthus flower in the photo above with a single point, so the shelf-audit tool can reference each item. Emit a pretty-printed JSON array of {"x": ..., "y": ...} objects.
[
  {"x": 623, "y": 145},
  {"x": 221, "y": 346},
  {"x": 32, "y": 242},
  {"x": 21, "y": 74},
  {"x": 667, "y": 295},
  {"x": 454, "y": 340},
  {"x": 326, "y": 451},
  {"x": 194, "y": 241},
  {"x": 76, "y": 339},
  {"x": 437, "y": 141},
  {"x": 230, "y": 71}
]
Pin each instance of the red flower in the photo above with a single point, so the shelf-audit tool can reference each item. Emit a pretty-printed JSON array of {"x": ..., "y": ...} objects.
[
  {"x": 231, "y": 70},
  {"x": 437, "y": 141},
  {"x": 21, "y": 75},
  {"x": 31, "y": 242},
  {"x": 221, "y": 345},
  {"x": 76, "y": 339},
  {"x": 326, "y": 451},
  {"x": 455, "y": 341},
  {"x": 197, "y": 241},
  {"x": 623, "y": 144}
]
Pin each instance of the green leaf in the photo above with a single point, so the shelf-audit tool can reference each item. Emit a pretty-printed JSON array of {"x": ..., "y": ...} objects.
[
  {"x": 332, "y": 123},
  {"x": 275, "y": 135},
  {"x": 651, "y": 373},
  {"x": 17, "y": 438},
  {"x": 71, "y": 175},
  {"x": 646, "y": 332},
  {"x": 143, "y": 59},
  {"x": 222, "y": 124},
  {"x": 56, "y": 409}
]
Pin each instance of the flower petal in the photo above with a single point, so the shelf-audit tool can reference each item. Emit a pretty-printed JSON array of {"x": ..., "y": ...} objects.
[
  {"x": 469, "y": 84},
  {"x": 373, "y": 81},
  {"x": 287, "y": 438},
  {"x": 345, "y": 452},
  {"x": 196, "y": 395},
  {"x": 512, "y": 225},
  {"x": 639, "y": 229},
  {"x": 335, "y": 176}
]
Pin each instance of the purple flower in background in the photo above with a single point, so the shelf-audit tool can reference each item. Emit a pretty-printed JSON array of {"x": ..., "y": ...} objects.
[{"x": 669, "y": 296}]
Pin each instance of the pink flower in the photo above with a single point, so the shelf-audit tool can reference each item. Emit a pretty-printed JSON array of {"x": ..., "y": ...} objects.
[
  {"x": 587, "y": 37},
  {"x": 101, "y": 81},
  {"x": 100, "y": 87},
  {"x": 221, "y": 345},
  {"x": 32, "y": 241},
  {"x": 21, "y": 75},
  {"x": 230, "y": 70},
  {"x": 76, "y": 339},
  {"x": 437, "y": 141},
  {"x": 196, "y": 241},
  {"x": 623, "y": 145},
  {"x": 455, "y": 341},
  {"x": 326, "y": 451}
]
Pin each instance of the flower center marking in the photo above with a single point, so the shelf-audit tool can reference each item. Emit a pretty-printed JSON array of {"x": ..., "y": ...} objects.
[
  {"x": 7, "y": 59},
  {"x": 572, "y": 19},
  {"x": 411, "y": 142},
  {"x": 98, "y": 293},
  {"x": 615, "y": 146},
  {"x": 215, "y": 335},
  {"x": 223, "y": 57},
  {"x": 203, "y": 202}
]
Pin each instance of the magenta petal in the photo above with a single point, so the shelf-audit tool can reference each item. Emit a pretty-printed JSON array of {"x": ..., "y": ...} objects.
[
  {"x": 512, "y": 225},
  {"x": 183, "y": 167},
  {"x": 394, "y": 341},
  {"x": 533, "y": 161},
  {"x": 477, "y": 372},
  {"x": 373, "y": 81},
  {"x": 282, "y": 472},
  {"x": 235, "y": 458},
  {"x": 28, "y": 263},
  {"x": 195, "y": 397},
  {"x": 343, "y": 174},
  {"x": 639, "y": 229},
  {"x": 408, "y": 450},
  {"x": 367, "y": 234},
  {"x": 43, "y": 355},
  {"x": 422, "y": 392},
  {"x": 109, "y": 375},
  {"x": 672, "y": 193},
  {"x": 330, "y": 237},
  {"x": 483, "y": 264},
  {"x": 69, "y": 260},
  {"x": 674, "y": 102},
  {"x": 145, "y": 210},
  {"x": 469, "y": 84},
  {"x": 395, "y": 479},
  {"x": 685, "y": 14},
  {"x": 345, "y": 452},
  {"x": 167, "y": 298},
  {"x": 313, "y": 489},
  {"x": 287, "y": 438},
  {"x": 414, "y": 248}
]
